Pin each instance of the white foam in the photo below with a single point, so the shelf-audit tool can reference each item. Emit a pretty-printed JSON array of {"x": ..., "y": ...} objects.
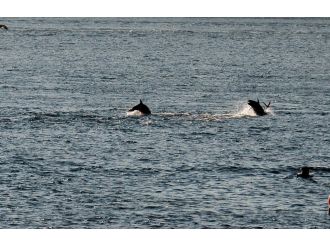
[
  {"x": 134, "y": 113},
  {"x": 242, "y": 111},
  {"x": 173, "y": 114},
  {"x": 148, "y": 122},
  {"x": 269, "y": 111}
]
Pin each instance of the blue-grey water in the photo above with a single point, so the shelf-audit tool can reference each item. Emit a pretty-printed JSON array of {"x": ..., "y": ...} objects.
[{"x": 70, "y": 157}]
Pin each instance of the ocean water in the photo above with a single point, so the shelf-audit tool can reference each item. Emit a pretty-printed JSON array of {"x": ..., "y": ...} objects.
[{"x": 70, "y": 157}]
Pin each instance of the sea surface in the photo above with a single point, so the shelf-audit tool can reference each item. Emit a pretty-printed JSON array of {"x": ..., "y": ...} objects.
[{"x": 70, "y": 157}]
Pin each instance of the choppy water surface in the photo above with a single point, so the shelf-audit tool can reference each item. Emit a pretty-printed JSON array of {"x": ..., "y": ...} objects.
[{"x": 71, "y": 158}]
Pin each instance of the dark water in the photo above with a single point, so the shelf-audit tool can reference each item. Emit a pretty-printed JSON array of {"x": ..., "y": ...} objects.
[{"x": 71, "y": 158}]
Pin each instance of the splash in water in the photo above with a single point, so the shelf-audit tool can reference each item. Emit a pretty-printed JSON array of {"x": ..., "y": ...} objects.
[{"x": 243, "y": 111}]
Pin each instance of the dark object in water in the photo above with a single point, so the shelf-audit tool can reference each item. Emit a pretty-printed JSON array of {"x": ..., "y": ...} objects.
[
  {"x": 257, "y": 108},
  {"x": 329, "y": 205},
  {"x": 3, "y": 26},
  {"x": 141, "y": 108},
  {"x": 304, "y": 172}
]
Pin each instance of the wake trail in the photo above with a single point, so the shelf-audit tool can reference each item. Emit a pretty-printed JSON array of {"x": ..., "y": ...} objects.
[{"x": 242, "y": 111}]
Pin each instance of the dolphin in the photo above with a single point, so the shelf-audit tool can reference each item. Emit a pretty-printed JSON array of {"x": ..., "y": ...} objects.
[
  {"x": 257, "y": 108},
  {"x": 304, "y": 172},
  {"x": 142, "y": 108},
  {"x": 3, "y": 26}
]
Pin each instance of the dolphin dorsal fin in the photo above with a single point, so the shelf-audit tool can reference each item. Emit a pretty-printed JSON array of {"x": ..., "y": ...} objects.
[
  {"x": 141, "y": 101},
  {"x": 266, "y": 105}
]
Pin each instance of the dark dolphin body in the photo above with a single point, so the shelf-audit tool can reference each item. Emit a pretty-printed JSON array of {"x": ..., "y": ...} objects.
[
  {"x": 141, "y": 108},
  {"x": 258, "y": 109},
  {"x": 304, "y": 172},
  {"x": 3, "y": 26}
]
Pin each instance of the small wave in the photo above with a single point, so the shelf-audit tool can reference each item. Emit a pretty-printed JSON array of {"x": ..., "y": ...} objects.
[
  {"x": 65, "y": 117},
  {"x": 5, "y": 120},
  {"x": 8, "y": 86}
]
